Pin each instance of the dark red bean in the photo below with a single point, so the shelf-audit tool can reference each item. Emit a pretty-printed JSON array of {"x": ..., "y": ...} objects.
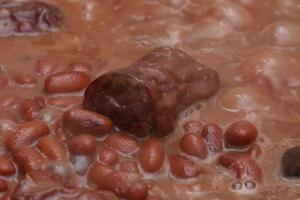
[
  {"x": 79, "y": 67},
  {"x": 29, "y": 108},
  {"x": 83, "y": 121},
  {"x": 243, "y": 165},
  {"x": 7, "y": 167},
  {"x": 290, "y": 163},
  {"x": 146, "y": 97},
  {"x": 63, "y": 82},
  {"x": 193, "y": 127},
  {"x": 26, "y": 134},
  {"x": 138, "y": 191},
  {"x": 240, "y": 134},
  {"x": 83, "y": 144},
  {"x": 47, "y": 65},
  {"x": 28, "y": 159},
  {"x": 52, "y": 148},
  {"x": 24, "y": 79},
  {"x": 108, "y": 156},
  {"x": 213, "y": 137},
  {"x": 3, "y": 186},
  {"x": 122, "y": 142},
  {"x": 152, "y": 155},
  {"x": 182, "y": 167},
  {"x": 193, "y": 145}
]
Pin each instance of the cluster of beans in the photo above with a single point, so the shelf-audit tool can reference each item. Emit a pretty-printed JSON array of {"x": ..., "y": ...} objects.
[
  {"x": 54, "y": 133},
  {"x": 237, "y": 149}
]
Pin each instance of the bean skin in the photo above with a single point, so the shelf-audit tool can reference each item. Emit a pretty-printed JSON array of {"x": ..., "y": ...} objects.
[
  {"x": 212, "y": 134},
  {"x": 193, "y": 145},
  {"x": 108, "y": 156},
  {"x": 63, "y": 82},
  {"x": 26, "y": 134},
  {"x": 122, "y": 142},
  {"x": 182, "y": 167},
  {"x": 51, "y": 147},
  {"x": 152, "y": 155},
  {"x": 80, "y": 120},
  {"x": 7, "y": 167},
  {"x": 83, "y": 144},
  {"x": 240, "y": 134}
]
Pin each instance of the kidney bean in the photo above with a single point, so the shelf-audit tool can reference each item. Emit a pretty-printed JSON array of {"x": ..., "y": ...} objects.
[
  {"x": 51, "y": 147},
  {"x": 64, "y": 102},
  {"x": 79, "y": 67},
  {"x": 240, "y": 134},
  {"x": 47, "y": 65},
  {"x": 7, "y": 167},
  {"x": 152, "y": 155},
  {"x": 24, "y": 79},
  {"x": 129, "y": 166},
  {"x": 120, "y": 182},
  {"x": 213, "y": 137},
  {"x": 26, "y": 134},
  {"x": 81, "y": 163},
  {"x": 63, "y": 82},
  {"x": 10, "y": 101},
  {"x": 29, "y": 108},
  {"x": 254, "y": 151},
  {"x": 193, "y": 145},
  {"x": 182, "y": 167},
  {"x": 122, "y": 142},
  {"x": 108, "y": 156},
  {"x": 3, "y": 186},
  {"x": 79, "y": 120},
  {"x": 28, "y": 159},
  {"x": 243, "y": 165},
  {"x": 83, "y": 144},
  {"x": 97, "y": 172},
  {"x": 138, "y": 191},
  {"x": 193, "y": 127}
]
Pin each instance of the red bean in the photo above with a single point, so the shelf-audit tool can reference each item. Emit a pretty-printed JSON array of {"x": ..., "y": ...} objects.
[
  {"x": 47, "y": 65},
  {"x": 129, "y": 166},
  {"x": 26, "y": 134},
  {"x": 96, "y": 173},
  {"x": 64, "y": 102},
  {"x": 7, "y": 167},
  {"x": 240, "y": 134},
  {"x": 193, "y": 127},
  {"x": 28, "y": 159},
  {"x": 213, "y": 137},
  {"x": 3, "y": 186},
  {"x": 108, "y": 156},
  {"x": 83, "y": 144},
  {"x": 79, "y": 67},
  {"x": 79, "y": 120},
  {"x": 24, "y": 79},
  {"x": 63, "y": 82},
  {"x": 193, "y": 145},
  {"x": 122, "y": 142},
  {"x": 29, "y": 108},
  {"x": 51, "y": 147},
  {"x": 138, "y": 191},
  {"x": 120, "y": 182},
  {"x": 182, "y": 167},
  {"x": 243, "y": 165},
  {"x": 152, "y": 155}
]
